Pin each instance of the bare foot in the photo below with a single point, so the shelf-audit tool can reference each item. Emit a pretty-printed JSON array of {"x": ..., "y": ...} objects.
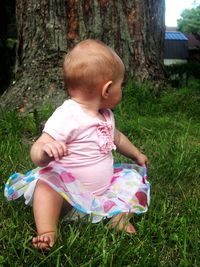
[
  {"x": 121, "y": 222},
  {"x": 44, "y": 241}
]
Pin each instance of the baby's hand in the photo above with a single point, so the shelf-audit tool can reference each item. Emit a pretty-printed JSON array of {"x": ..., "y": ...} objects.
[
  {"x": 142, "y": 160},
  {"x": 55, "y": 150}
]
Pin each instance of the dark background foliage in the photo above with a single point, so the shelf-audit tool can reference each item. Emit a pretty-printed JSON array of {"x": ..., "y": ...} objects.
[{"x": 8, "y": 35}]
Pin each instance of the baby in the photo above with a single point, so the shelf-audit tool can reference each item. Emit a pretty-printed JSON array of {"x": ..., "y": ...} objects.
[{"x": 74, "y": 153}]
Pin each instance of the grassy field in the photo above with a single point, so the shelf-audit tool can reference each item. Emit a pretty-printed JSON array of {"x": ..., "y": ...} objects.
[{"x": 167, "y": 129}]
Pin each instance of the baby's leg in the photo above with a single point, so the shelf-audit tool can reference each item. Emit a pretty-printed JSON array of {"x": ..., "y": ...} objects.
[
  {"x": 121, "y": 222},
  {"x": 47, "y": 205}
]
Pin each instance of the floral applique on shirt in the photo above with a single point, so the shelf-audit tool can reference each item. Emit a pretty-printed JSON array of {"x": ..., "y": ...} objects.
[{"x": 105, "y": 137}]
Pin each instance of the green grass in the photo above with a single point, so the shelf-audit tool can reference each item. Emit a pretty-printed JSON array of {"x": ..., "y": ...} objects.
[{"x": 167, "y": 129}]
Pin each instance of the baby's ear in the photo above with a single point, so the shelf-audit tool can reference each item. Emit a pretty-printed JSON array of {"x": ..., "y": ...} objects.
[{"x": 106, "y": 89}]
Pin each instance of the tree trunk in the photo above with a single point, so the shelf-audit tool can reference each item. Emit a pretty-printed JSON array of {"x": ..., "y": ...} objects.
[{"x": 48, "y": 28}]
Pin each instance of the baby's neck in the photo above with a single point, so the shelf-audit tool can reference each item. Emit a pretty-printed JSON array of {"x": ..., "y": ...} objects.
[{"x": 91, "y": 107}]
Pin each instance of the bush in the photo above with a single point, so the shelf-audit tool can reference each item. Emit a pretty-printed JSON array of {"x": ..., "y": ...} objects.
[{"x": 180, "y": 73}]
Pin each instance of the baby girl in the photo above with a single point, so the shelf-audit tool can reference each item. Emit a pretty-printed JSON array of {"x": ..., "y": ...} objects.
[{"x": 74, "y": 152}]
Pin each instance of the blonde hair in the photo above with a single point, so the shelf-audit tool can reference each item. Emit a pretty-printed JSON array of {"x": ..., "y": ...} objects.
[{"x": 91, "y": 63}]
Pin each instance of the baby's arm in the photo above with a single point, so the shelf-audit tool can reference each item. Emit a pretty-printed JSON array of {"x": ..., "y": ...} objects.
[
  {"x": 46, "y": 149},
  {"x": 126, "y": 148}
]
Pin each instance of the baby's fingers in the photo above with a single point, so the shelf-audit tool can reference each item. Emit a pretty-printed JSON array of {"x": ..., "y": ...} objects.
[
  {"x": 56, "y": 150},
  {"x": 62, "y": 149},
  {"x": 50, "y": 151},
  {"x": 59, "y": 150}
]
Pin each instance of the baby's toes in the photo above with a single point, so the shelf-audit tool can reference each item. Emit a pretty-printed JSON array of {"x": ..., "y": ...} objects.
[
  {"x": 130, "y": 229},
  {"x": 34, "y": 241},
  {"x": 43, "y": 239},
  {"x": 41, "y": 242}
]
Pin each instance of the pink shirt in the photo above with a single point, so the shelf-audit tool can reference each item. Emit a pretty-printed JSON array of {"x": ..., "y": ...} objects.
[{"x": 90, "y": 142}]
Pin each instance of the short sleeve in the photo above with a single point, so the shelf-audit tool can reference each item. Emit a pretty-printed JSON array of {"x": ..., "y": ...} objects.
[{"x": 62, "y": 125}]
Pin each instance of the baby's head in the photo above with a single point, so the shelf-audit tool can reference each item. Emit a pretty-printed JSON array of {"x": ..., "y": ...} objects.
[{"x": 90, "y": 65}]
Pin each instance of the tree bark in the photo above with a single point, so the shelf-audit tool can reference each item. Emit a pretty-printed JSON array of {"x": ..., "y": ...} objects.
[{"x": 47, "y": 29}]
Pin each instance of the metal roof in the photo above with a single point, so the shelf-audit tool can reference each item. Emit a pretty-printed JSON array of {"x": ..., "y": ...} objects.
[{"x": 175, "y": 36}]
